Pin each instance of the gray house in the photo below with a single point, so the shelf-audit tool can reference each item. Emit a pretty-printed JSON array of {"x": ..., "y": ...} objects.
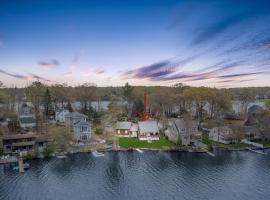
[
  {"x": 78, "y": 123},
  {"x": 183, "y": 132},
  {"x": 26, "y": 116}
]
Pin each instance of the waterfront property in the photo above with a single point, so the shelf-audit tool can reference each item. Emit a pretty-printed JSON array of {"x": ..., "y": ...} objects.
[
  {"x": 222, "y": 134},
  {"x": 16, "y": 143},
  {"x": 183, "y": 132},
  {"x": 26, "y": 116},
  {"x": 126, "y": 129},
  {"x": 148, "y": 130},
  {"x": 78, "y": 123}
]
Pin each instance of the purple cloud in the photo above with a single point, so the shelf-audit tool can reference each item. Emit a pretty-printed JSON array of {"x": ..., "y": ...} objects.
[
  {"x": 49, "y": 64},
  {"x": 24, "y": 77}
]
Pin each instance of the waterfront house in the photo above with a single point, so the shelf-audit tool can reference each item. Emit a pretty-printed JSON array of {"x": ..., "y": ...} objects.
[
  {"x": 26, "y": 116},
  {"x": 16, "y": 143},
  {"x": 60, "y": 115},
  {"x": 82, "y": 130},
  {"x": 78, "y": 123},
  {"x": 222, "y": 134},
  {"x": 126, "y": 129},
  {"x": 123, "y": 128},
  {"x": 148, "y": 130},
  {"x": 183, "y": 132}
]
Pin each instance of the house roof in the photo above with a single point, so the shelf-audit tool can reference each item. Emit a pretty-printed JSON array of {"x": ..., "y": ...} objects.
[
  {"x": 148, "y": 126},
  {"x": 182, "y": 123},
  {"x": 76, "y": 115},
  {"x": 134, "y": 127},
  {"x": 27, "y": 120},
  {"x": 255, "y": 109},
  {"x": 223, "y": 129},
  {"x": 18, "y": 136},
  {"x": 123, "y": 125},
  {"x": 81, "y": 123}
]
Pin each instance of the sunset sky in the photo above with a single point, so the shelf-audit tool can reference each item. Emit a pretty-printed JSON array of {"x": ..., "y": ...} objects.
[{"x": 151, "y": 42}]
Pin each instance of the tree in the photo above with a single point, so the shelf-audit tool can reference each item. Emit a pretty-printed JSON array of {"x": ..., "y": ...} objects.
[
  {"x": 127, "y": 94},
  {"x": 35, "y": 94},
  {"x": 267, "y": 104},
  {"x": 86, "y": 93},
  {"x": 263, "y": 124},
  {"x": 47, "y": 102},
  {"x": 245, "y": 96},
  {"x": 115, "y": 111}
]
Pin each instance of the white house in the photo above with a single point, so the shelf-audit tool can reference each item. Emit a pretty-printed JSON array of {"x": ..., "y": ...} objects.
[
  {"x": 78, "y": 122},
  {"x": 60, "y": 116},
  {"x": 148, "y": 130}
]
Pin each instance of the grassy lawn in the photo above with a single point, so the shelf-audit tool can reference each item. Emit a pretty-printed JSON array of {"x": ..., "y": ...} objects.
[
  {"x": 235, "y": 146},
  {"x": 162, "y": 143},
  {"x": 265, "y": 143},
  {"x": 205, "y": 139}
]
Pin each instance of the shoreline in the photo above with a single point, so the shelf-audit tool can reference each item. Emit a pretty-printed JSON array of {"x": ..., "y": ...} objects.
[{"x": 134, "y": 149}]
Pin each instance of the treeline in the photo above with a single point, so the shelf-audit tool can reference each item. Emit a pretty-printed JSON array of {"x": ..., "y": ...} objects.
[{"x": 164, "y": 99}]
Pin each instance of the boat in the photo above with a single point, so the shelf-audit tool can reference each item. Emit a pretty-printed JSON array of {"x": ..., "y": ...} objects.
[
  {"x": 97, "y": 154},
  {"x": 140, "y": 151},
  {"x": 61, "y": 156},
  {"x": 25, "y": 166}
]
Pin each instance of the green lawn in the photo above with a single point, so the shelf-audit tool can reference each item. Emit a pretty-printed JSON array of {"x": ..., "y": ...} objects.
[
  {"x": 235, "y": 146},
  {"x": 162, "y": 143},
  {"x": 205, "y": 139},
  {"x": 265, "y": 143}
]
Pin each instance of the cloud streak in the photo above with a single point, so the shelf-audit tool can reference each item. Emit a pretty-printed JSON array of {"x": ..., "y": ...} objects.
[
  {"x": 29, "y": 76},
  {"x": 49, "y": 64}
]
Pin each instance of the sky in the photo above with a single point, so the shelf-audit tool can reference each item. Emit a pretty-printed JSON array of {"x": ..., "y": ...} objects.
[{"x": 222, "y": 44}]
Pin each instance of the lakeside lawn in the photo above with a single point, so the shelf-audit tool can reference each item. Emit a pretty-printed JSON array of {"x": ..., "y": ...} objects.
[
  {"x": 162, "y": 143},
  {"x": 235, "y": 146}
]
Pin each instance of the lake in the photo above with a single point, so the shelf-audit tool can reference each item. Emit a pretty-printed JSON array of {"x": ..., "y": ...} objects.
[{"x": 150, "y": 175}]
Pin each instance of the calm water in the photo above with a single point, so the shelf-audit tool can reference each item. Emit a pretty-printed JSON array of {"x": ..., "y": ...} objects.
[{"x": 151, "y": 175}]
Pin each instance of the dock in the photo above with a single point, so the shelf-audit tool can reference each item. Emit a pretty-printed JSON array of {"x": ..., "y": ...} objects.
[
  {"x": 256, "y": 151},
  {"x": 140, "y": 151},
  {"x": 210, "y": 153}
]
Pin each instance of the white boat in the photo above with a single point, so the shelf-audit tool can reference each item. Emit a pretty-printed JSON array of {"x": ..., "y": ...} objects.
[
  {"x": 61, "y": 156},
  {"x": 140, "y": 151},
  {"x": 97, "y": 154}
]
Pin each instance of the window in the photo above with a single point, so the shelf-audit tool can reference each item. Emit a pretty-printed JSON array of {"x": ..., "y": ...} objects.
[{"x": 84, "y": 129}]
